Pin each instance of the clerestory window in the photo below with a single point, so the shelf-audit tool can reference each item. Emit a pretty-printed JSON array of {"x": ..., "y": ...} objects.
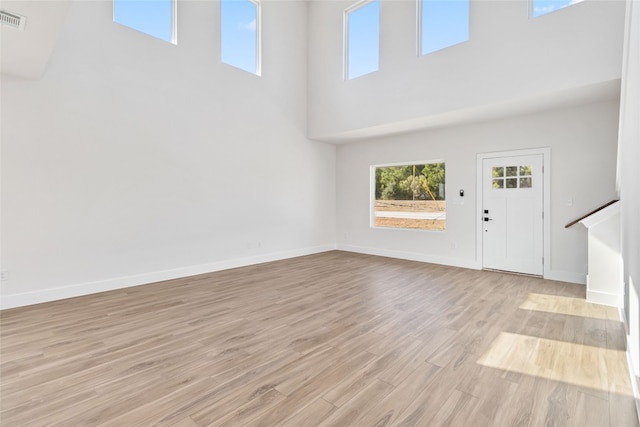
[
  {"x": 156, "y": 18},
  {"x": 442, "y": 23},
  {"x": 543, "y": 7},
  {"x": 361, "y": 38},
  {"x": 240, "y": 34}
]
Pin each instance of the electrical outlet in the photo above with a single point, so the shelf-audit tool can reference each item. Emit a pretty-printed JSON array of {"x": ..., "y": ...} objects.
[{"x": 4, "y": 275}]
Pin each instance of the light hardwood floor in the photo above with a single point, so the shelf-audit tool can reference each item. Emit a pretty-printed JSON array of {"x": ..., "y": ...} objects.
[{"x": 334, "y": 339}]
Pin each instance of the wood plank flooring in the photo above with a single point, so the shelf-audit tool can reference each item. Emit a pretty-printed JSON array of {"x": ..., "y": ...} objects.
[{"x": 333, "y": 339}]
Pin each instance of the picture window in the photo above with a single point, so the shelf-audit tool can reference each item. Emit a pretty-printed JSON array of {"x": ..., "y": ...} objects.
[{"x": 410, "y": 196}]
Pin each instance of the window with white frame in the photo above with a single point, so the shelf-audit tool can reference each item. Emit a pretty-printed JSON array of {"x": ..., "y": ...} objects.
[
  {"x": 156, "y": 18},
  {"x": 361, "y": 38},
  {"x": 543, "y": 7},
  {"x": 410, "y": 195},
  {"x": 442, "y": 23},
  {"x": 240, "y": 34}
]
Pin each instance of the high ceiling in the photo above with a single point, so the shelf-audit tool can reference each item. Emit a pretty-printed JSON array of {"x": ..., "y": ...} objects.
[{"x": 25, "y": 54}]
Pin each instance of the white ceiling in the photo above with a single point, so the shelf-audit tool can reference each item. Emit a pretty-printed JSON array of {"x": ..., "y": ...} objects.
[{"x": 25, "y": 54}]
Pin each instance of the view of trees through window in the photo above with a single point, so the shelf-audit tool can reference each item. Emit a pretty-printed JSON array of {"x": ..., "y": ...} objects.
[{"x": 410, "y": 196}]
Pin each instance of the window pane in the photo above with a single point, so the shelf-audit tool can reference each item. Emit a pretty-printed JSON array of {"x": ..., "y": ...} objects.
[
  {"x": 239, "y": 34},
  {"x": 498, "y": 183},
  {"x": 512, "y": 182},
  {"x": 525, "y": 170},
  {"x": 152, "y": 17},
  {"x": 542, "y": 7},
  {"x": 497, "y": 172},
  {"x": 444, "y": 23},
  {"x": 363, "y": 40},
  {"x": 410, "y": 196},
  {"x": 512, "y": 171},
  {"x": 525, "y": 182}
]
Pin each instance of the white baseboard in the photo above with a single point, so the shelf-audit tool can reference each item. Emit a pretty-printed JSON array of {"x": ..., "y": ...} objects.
[
  {"x": 566, "y": 276},
  {"x": 54, "y": 294},
  {"x": 411, "y": 256},
  {"x": 603, "y": 298},
  {"x": 633, "y": 378},
  {"x": 634, "y": 384},
  {"x": 561, "y": 276}
]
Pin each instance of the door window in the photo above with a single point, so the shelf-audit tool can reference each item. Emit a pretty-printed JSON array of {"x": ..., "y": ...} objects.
[{"x": 511, "y": 177}]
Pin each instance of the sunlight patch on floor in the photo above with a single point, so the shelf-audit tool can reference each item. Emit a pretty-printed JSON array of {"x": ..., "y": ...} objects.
[
  {"x": 588, "y": 366},
  {"x": 567, "y": 305}
]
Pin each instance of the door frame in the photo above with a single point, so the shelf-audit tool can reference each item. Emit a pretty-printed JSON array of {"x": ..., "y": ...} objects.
[{"x": 546, "y": 200}]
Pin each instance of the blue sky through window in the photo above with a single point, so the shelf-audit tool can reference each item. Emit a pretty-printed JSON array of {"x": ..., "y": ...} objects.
[
  {"x": 444, "y": 23},
  {"x": 542, "y": 7},
  {"x": 239, "y": 26},
  {"x": 153, "y": 17},
  {"x": 363, "y": 40}
]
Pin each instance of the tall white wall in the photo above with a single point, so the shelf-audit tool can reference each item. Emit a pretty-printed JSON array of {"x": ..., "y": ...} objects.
[
  {"x": 583, "y": 161},
  {"x": 629, "y": 175},
  {"x": 508, "y": 57},
  {"x": 134, "y": 160}
]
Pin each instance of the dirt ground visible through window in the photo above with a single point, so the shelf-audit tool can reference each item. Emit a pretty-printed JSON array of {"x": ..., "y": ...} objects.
[{"x": 411, "y": 206}]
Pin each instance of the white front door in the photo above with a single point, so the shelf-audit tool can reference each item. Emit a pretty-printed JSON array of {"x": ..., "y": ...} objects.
[{"x": 512, "y": 214}]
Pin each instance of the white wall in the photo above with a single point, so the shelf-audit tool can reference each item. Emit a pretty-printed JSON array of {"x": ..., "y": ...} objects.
[
  {"x": 629, "y": 176},
  {"x": 583, "y": 160},
  {"x": 135, "y": 160},
  {"x": 508, "y": 57}
]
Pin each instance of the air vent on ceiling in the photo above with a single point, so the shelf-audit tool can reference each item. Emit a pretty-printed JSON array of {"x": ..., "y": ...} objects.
[{"x": 12, "y": 20}]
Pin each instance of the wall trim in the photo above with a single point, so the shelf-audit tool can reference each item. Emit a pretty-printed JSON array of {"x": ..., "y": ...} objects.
[
  {"x": 80, "y": 289},
  {"x": 604, "y": 298},
  {"x": 560, "y": 276},
  {"x": 566, "y": 276},
  {"x": 634, "y": 380},
  {"x": 411, "y": 256}
]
